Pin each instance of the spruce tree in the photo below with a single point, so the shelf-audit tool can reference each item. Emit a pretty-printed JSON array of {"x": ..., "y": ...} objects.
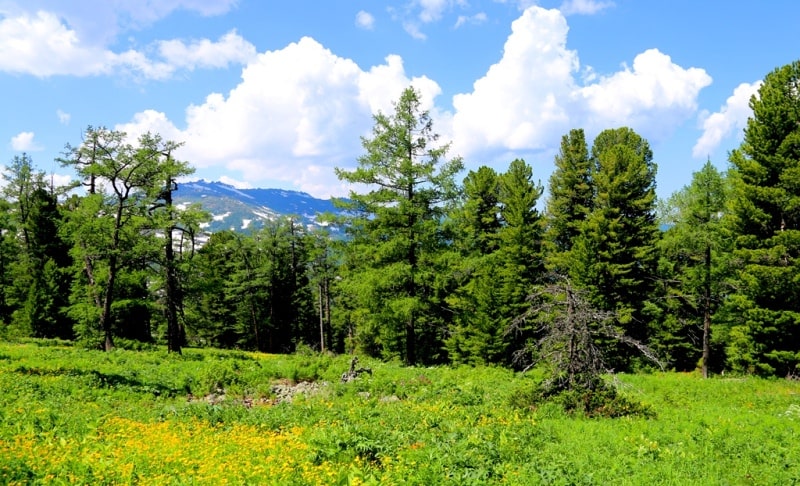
[{"x": 476, "y": 333}]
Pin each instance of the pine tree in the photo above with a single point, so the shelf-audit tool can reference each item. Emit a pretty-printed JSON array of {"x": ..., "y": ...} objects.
[
  {"x": 570, "y": 201},
  {"x": 766, "y": 206},
  {"x": 615, "y": 257}
]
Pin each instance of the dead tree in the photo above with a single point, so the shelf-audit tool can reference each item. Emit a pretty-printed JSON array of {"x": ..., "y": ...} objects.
[{"x": 568, "y": 329}]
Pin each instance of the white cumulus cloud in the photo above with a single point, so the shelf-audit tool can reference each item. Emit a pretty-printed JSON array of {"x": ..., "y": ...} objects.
[
  {"x": 43, "y": 45},
  {"x": 297, "y": 113},
  {"x": 731, "y": 117},
  {"x": 24, "y": 142},
  {"x": 537, "y": 91},
  {"x": 655, "y": 95}
]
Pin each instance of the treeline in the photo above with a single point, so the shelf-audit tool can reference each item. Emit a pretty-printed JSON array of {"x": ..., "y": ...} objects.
[{"x": 433, "y": 269}]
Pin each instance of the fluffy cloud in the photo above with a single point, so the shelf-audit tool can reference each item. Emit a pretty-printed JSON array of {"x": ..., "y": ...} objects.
[
  {"x": 24, "y": 142},
  {"x": 231, "y": 48},
  {"x": 532, "y": 96},
  {"x": 98, "y": 23},
  {"x": 296, "y": 114},
  {"x": 654, "y": 96},
  {"x": 731, "y": 117},
  {"x": 365, "y": 20},
  {"x": 42, "y": 45},
  {"x": 584, "y": 7}
]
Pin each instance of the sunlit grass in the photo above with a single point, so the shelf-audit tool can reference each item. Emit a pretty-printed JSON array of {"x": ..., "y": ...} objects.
[{"x": 73, "y": 416}]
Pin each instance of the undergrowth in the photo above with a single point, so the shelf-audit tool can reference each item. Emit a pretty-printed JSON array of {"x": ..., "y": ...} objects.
[{"x": 70, "y": 415}]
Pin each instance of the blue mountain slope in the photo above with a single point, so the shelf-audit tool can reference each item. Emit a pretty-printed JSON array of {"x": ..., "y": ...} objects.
[{"x": 247, "y": 209}]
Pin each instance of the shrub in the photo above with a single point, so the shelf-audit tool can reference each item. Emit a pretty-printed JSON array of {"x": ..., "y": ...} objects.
[{"x": 602, "y": 400}]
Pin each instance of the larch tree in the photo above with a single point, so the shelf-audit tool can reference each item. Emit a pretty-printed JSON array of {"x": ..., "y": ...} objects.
[
  {"x": 396, "y": 224},
  {"x": 693, "y": 263},
  {"x": 167, "y": 219},
  {"x": 113, "y": 234}
]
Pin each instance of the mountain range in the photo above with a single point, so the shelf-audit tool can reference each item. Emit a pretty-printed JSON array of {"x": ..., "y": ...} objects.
[{"x": 244, "y": 210}]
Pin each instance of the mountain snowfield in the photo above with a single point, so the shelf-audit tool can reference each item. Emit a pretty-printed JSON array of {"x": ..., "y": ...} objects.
[{"x": 244, "y": 210}]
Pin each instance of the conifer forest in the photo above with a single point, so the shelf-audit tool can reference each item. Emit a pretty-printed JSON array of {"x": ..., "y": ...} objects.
[{"x": 434, "y": 264}]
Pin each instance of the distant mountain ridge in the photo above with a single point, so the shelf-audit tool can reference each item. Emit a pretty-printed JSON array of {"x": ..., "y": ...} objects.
[{"x": 249, "y": 209}]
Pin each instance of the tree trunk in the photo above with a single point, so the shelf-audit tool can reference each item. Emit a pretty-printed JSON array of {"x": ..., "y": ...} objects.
[
  {"x": 411, "y": 335},
  {"x": 105, "y": 315},
  {"x": 174, "y": 334},
  {"x": 707, "y": 312},
  {"x": 321, "y": 320}
]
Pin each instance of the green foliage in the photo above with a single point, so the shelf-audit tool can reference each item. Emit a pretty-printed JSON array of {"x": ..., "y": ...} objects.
[
  {"x": 396, "y": 233},
  {"x": 70, "y": 415},
  {"x": 496, "y": 258},
  {"x": 39, "y": 283},
  {"x": 571, "y": 198},
  {"x": 694, "y": 267},
  {"x": 614, "y": 257},
  {"x": 600, "y": 401},
  {"x": 766, "y": 209},
  {"x": 253, "y": 291}
]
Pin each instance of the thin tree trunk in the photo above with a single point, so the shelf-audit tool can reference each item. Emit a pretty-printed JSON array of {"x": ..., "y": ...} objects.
[
  {"x": 174, "y": 334},
  {"x": 105, "y": 315},
  {"x": 707, "y": 312},
  {"x": 321, "y": 319}
]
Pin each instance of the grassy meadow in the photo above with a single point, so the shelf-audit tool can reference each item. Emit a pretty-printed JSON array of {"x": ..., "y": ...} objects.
[{"x": 72, "y": 416}]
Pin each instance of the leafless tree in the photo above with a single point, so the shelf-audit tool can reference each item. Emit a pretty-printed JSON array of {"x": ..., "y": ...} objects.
[{"x": 569, "y": 329}]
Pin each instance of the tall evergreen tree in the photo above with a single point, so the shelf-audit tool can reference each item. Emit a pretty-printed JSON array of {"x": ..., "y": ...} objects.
[
  {"x": 571, "y": 199},
  {"x": 615, "y": 255},
  {"x": 210, "y": 316},
  {"x": 476, "y": 333},
  {"x": 765, "y": 336},
  {"x": 397, "y": 226},
  {"x": 9, "y": 250},
  {"x": 693, "y": 253},
  {"x": 521, "y": 253},
  {"x": 40, "y": 283}
]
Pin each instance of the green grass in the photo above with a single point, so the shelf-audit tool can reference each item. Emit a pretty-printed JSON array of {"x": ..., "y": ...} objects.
[{"x": 69, "y": 415}]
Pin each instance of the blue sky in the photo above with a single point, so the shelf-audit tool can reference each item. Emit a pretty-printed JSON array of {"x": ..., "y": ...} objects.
[{"x": 271, "y": 93}]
